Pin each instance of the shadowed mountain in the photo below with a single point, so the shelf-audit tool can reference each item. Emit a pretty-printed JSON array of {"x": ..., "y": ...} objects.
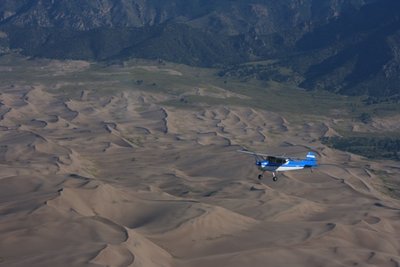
[
  {"x": 347, "y": 46},
  {"x": 234, "y": 16},
  {"x": 364, "y": 52}
]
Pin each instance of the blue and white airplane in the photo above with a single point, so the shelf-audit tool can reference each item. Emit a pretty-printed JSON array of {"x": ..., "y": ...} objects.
[{"x": 277, "y": 164}]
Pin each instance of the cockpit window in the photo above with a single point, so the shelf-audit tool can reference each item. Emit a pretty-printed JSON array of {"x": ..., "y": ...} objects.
[{"x": 276, "y": 160}]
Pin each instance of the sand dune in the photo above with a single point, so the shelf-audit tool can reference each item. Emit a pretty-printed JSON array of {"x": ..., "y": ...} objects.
[
  {"x": 230, "y": 124},
  {"x": 119, "y": 179}
]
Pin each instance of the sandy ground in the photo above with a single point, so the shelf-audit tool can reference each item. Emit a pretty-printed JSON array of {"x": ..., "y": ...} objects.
[{"x": 122, "y": 181}]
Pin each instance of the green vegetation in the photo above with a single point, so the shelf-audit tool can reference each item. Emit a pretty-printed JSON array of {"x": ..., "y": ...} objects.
[
  {"x": 371, "y": 147},
  {"x": 365, "y": 118},
  {"x": 264, "y": 71},
  {"x": 390, "y": 181},
  {"x": 175, "y": 42}
]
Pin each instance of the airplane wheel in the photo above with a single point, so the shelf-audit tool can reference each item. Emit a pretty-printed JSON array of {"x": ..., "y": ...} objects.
[
  {"x": 260, "y": 176},
  {"x": 274, "y": 178}
]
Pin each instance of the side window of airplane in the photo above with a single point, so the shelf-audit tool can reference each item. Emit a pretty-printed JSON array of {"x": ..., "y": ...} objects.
[
  {"x": 276, "y": 160},
  {"x": 280, "y": 161}
]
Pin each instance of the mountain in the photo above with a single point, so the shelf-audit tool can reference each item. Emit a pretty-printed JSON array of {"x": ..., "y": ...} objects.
[
  {"x": 364, "y": 51},
  {"x": 345, "y": 46},
  {"x": 228, "y": 16}
]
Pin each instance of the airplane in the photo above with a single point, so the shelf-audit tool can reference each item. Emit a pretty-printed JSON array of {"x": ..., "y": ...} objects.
[{"x": 277, "y": 164}]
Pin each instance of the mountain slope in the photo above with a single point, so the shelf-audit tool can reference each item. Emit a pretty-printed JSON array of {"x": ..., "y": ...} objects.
[
  {"x": 346, "y": 46},
  {"x": 365, "y": 57},
  {"x": 266, "y": 16}
]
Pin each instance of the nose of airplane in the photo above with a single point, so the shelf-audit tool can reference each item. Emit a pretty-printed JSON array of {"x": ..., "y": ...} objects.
[{"x": 264, "y": 164}]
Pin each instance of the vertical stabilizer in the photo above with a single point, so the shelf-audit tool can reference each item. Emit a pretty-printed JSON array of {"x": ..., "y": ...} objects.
[{"x": 311, "y": 156}]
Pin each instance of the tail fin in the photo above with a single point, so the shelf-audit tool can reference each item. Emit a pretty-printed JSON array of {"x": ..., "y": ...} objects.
[{"x": 311, "y": 156}]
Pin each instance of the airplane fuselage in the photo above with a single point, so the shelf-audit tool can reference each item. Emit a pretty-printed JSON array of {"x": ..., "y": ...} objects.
[{"x": 288, "y": 165}]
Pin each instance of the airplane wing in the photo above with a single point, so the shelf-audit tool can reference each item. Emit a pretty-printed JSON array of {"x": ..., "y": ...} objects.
[
  {"x": 261, "y": 154},
  {"x": 252, "y": 153}
]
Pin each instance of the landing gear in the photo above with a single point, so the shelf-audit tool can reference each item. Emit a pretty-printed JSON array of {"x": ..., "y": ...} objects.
[{"x": 274, "y": 177}]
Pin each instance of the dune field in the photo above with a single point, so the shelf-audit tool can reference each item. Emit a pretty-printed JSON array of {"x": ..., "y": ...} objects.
[{"x": 124, "y": 178}]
